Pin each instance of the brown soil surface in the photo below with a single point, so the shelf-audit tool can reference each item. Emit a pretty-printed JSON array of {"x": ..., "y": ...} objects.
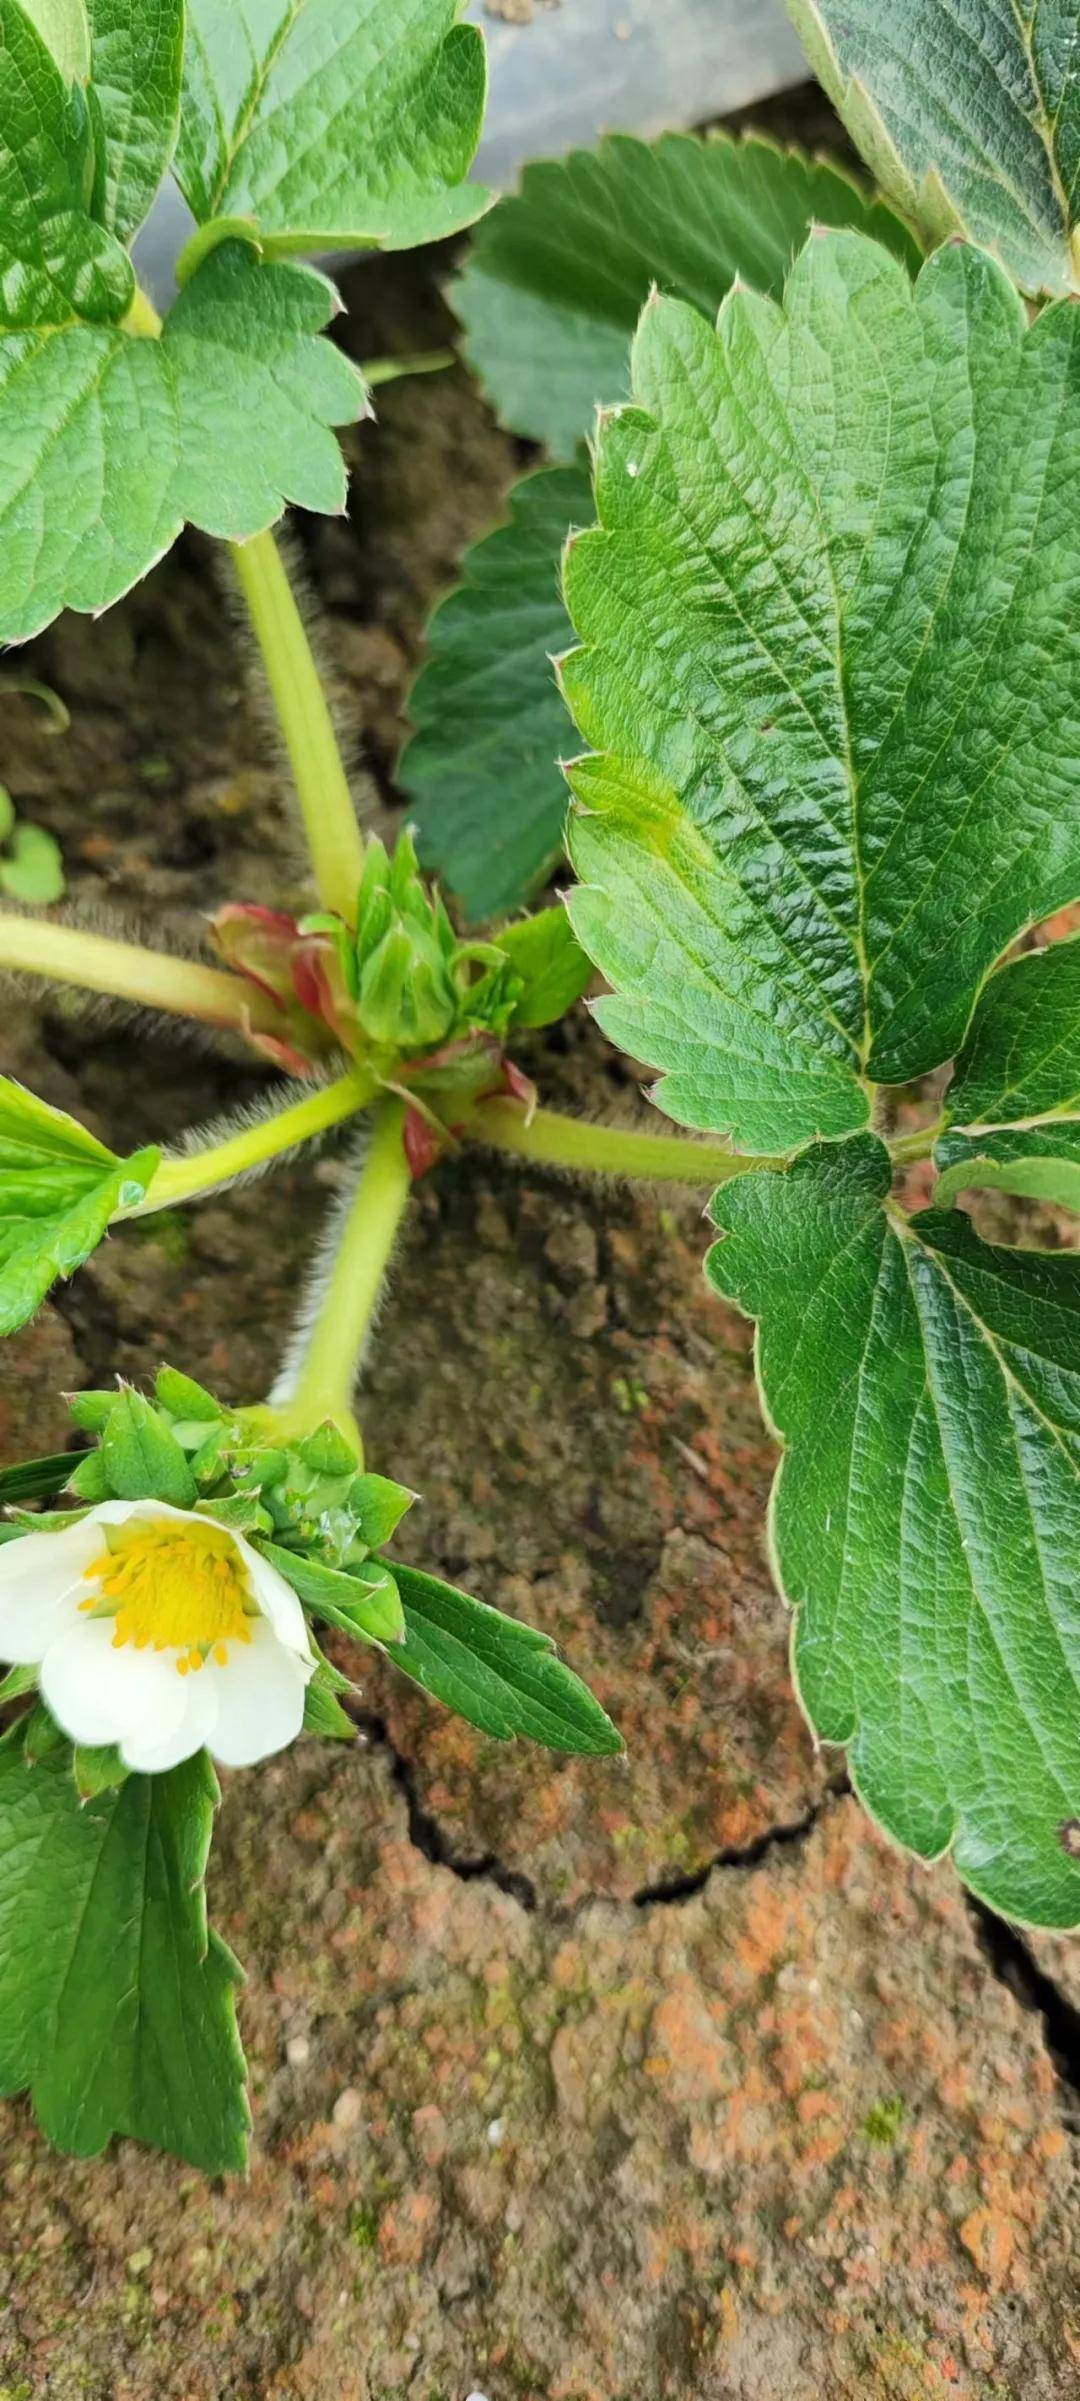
[{"x": 641, "y": 2082}]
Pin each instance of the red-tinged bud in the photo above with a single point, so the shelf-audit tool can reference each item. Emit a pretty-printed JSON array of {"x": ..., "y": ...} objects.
[
  {"x": 297, "y": 971},
  {"x": 424, "y": 1144}
]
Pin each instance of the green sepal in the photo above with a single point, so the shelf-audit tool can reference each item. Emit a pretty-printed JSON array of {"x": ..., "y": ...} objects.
[
  {"x": 378, "y": 1506},
  {"x": 89, "y": 1479},
  {"x": 356, "y": 1604},
  {"x": 323, "y": 1713},
  {"x": 140, "y": 1458},
  {"x": 45, "y": 1521},
  {"x": 327, "y": 1452},
  {"x": 41, "y": 1736},
  {"x": 97, "y": 1770},
  {"x": 90, "y": 1410},
  {"x": 503, "y": 1677},
  {"x": 240, "y": 1512},
  {"x": 181, "y": 1397}
]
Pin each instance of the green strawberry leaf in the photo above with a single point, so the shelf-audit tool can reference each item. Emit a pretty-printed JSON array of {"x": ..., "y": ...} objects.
[
  {"x": 831, "y": 670},
  {"x": 1021, "y": 1053},
  {"x": 56, "y": 262},
  {"x": 65, "y": 29},
  {"x": 926, "y": 1517},
  {"x": 332, "y": 124},
  {"x": 559, "y": 272},
  {"x": 480, "y": 771},
  {"x": 58, "y": 1190},
  {"x": 117, "y": 2006},
  {"x": 1042, "y": 1162},
  {"x": 35, "y": 1479},
  {"x": 240, "y": 348},
  {"x": 136, "y": 64},
  {"x": 1013, "y": 1107},
  {"x": 554, "y": 286},
  {"x": 968, "y": 113},
  {"x": 545, "y": 952},
  {"x": 32, "y": 870},
  {"x": 503, "y": 1677}
]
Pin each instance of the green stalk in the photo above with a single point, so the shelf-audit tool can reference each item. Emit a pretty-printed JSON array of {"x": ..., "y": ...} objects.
[
  {"x": 64, "y": 954},
  {"x": 574, "y": 1143},
  {"x": 333, "y": 835},
  {"x": 190, "y": 1176},
  {"x": 390, "y": 370},
  {"x": 347, "y": 1304},
  {"x": 906, "y": 1149}
]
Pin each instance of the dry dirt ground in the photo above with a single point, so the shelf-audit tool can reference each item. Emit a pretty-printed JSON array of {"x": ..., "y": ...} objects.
[{"x": 664, "y": 2081}]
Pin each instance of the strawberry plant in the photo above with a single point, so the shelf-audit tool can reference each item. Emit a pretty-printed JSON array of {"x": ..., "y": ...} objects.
[{"x": 817, "y": 627}]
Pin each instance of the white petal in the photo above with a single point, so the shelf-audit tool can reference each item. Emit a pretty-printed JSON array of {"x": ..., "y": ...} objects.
[
  {"x": 277, "y": 1600},
  {"x": 155, "y": 1747},
  {"x": 99, "y": 1694},
  {"x": 41, "y": 1585},
  {"x": 260, "y": 1699}
]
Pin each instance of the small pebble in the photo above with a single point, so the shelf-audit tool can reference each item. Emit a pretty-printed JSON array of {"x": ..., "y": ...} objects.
[
  {"x": 298, "y": 2051},
  {"x": 348, "y": 2108},
  {"x": 495, "y": 2132}
]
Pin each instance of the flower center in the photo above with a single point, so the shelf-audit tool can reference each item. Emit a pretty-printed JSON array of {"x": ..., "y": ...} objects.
[{"x": 180, "y": 1586}]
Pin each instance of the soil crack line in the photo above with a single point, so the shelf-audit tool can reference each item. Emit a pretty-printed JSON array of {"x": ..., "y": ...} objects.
[
  {"x": 428, "y": 1837},
  {"x": 1012, "y": 1961}
]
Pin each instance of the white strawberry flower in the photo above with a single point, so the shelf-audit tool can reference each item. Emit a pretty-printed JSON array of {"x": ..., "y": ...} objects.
[{"x": 158, "y": 1630}]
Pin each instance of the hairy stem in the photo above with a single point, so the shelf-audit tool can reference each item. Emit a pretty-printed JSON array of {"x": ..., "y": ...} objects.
[
  {"x": 573, "y": 1142},
  {"x": 64, "y": 954},
  {"x": 906, "y": 1149},
  {"x": 187, "y": 1177},
  {"x": 348, "y": 1300},
  {"x": 334, "y": 839}
]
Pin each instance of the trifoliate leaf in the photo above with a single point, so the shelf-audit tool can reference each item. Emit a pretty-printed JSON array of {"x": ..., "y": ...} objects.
[
  {"x": 559, "y": 273},
  {"x": 968, "y": 112},
  {"x": 117, "y": 2007},
  {"x": 545, "y": 952},
  {"x": 58, "y": 1190},
  {"x": 332, "y": 123},
  {"x": 137, "y": 58},
  {"x": 141, "y": 1459},
  {"x": 1013, "y": 1107},
  {"x": 926, "y": 1518},
  {"x": 481, "y": 769},
  {"x": 241, "y": 349},
  {"x": 56, "y": 261},
  {"x": 831, "y": 665},
  {"x": 505, "y": 1678}
]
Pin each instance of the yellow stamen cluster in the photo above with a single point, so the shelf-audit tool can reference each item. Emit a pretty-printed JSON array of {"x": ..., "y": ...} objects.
[{"x": 179, "y": 1586}]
